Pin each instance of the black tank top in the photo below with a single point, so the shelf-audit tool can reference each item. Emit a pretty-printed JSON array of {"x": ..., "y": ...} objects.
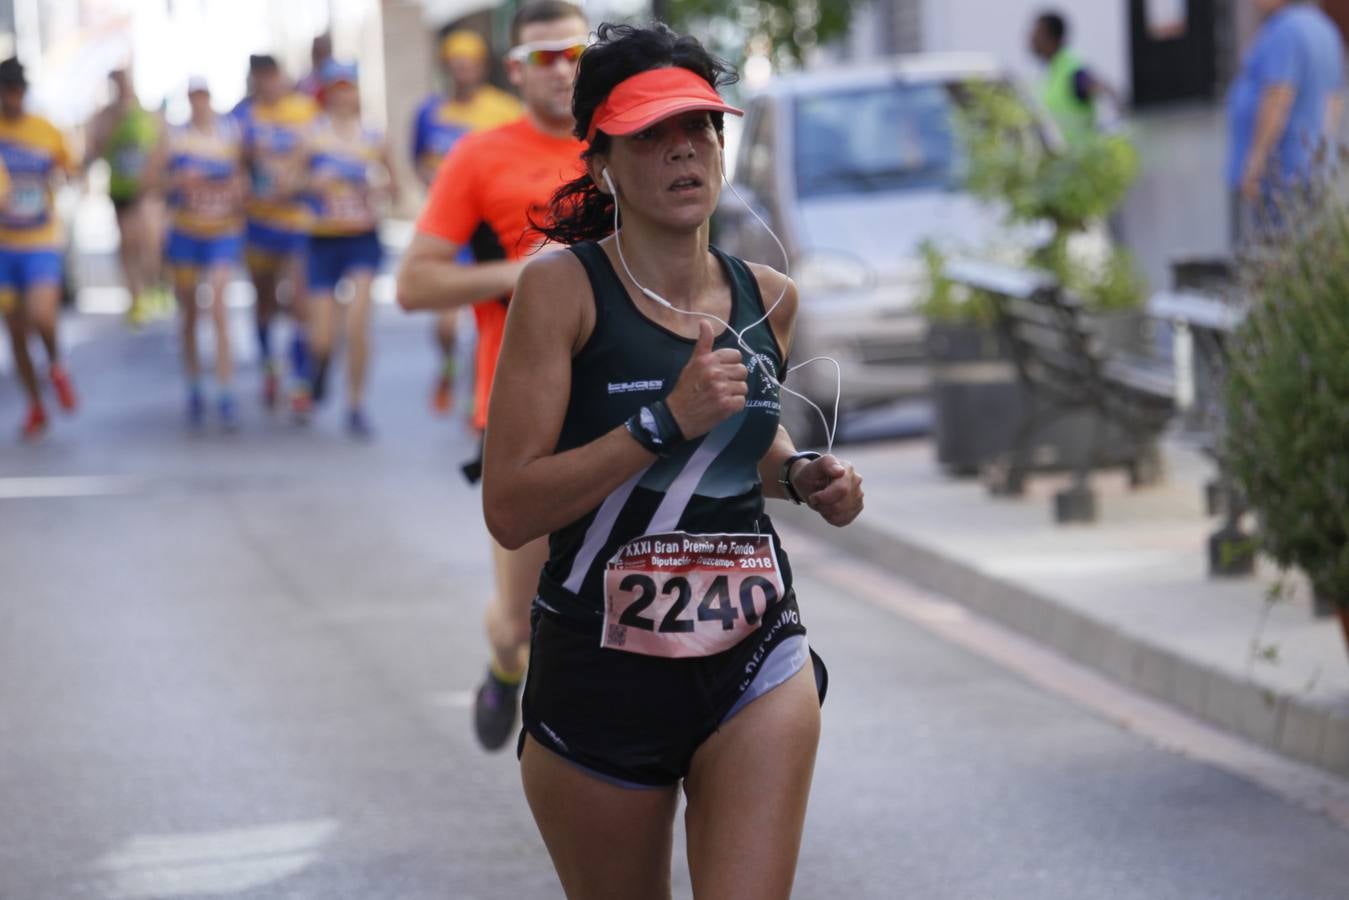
[{"x": 709, "y": 485}]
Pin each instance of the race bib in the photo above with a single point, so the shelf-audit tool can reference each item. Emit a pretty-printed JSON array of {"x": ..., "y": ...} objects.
[
  {"x": 348, "y": 207},
  {"x": 210, "y": 200},
  {"x": 686, "y": 595},
  {"x": 266, "y": 184},
  {"x": 27, "y": 202}
]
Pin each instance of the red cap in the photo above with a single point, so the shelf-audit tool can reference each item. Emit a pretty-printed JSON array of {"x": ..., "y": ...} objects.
[{"x": 655, "y": 94}]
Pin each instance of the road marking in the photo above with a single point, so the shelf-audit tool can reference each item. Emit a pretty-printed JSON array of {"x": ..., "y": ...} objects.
[
  {"x": 28, "y": 488},
  {"x": 1307, "y": 786},
  {"x": 453, "y": 699},
  {"x": 148, "y": 867}
]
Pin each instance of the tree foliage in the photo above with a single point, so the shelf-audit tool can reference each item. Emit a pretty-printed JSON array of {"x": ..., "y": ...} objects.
[
  {"x": 1010, "y": 164},
  {"x": 790, "y": 27}
]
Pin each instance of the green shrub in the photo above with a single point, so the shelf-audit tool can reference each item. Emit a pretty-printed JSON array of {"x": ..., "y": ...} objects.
[{"x": 1288, "y": 395}]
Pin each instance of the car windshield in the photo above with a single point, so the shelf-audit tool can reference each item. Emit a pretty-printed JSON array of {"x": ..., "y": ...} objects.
[{"x": 883, "y": 138}]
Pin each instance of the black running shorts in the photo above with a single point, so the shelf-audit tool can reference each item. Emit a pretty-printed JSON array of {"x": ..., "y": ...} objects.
[{"x": 636, "y": 720}]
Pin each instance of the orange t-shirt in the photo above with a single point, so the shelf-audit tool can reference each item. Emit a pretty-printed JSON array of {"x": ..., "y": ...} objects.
[{"x": 485, "y": 191}]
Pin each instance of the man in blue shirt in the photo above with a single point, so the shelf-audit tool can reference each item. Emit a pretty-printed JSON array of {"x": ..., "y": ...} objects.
[{"x": 1283, "y": 108}]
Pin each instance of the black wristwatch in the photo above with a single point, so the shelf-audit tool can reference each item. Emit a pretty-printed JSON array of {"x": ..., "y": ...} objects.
[
  {"x": 654, "y": 427},
  {"x": 785, "y": 474}
]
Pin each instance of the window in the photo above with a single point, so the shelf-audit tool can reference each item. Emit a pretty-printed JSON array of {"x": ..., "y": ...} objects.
[{"x": 884, "y": 138}]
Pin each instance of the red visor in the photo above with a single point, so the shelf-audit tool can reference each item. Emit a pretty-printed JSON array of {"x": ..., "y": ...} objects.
[{"x": 655, "y": 94}]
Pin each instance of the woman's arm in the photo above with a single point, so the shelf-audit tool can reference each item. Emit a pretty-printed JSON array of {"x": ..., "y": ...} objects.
[
  {"x": 829, "y": 486},
  {"x": 530, "y": 491},
  {"x": 157, "y": 176},
  {"x": 390, "y": 180}
]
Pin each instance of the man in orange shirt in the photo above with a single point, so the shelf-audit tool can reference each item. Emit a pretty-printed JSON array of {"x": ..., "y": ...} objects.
[
  {"x": 484, "y": 193},
  {"x": 471, "y": 105}
]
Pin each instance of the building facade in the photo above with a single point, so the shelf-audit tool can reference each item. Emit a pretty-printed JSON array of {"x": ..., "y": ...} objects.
[{"x": 1171, "y": 60}]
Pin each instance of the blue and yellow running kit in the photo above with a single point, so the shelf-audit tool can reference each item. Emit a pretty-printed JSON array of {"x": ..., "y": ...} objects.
[
  {"x": 275, "y": 135},
  {"x": 341, "y": 195},
  {"x": 33, "y": 152},
  {"x": 205, "y": 197}
]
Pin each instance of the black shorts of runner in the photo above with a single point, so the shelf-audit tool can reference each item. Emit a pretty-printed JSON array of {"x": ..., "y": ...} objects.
[{"x": 637, "y": 720}]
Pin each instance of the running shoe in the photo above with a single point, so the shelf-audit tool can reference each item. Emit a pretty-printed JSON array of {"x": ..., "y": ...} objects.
[
  {"x": 35, "y": 424},
  {"x": 166, "y": 304},
  {"x": 358, "y": 426},
  {"x": 442, "y": 399},
  {"x": 196, "y": 409},
  {"x": 65, "y": 390},
  {"x": 494, "y": 711},
  {"x": 138, "y": 312},
  {"x": 318, "y": 383},
  {"x": 229, "y": 417},
  {"x": 271, "y": 386},
  {"x": 301, "y": 404}
]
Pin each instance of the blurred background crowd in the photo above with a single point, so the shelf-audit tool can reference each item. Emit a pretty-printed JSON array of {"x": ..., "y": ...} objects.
[{"x": 867, "y": 169}]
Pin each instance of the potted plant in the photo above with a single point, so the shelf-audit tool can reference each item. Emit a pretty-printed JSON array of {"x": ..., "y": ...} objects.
[
  {"x": 1052, "y": 198},
  {"x": 1287, "y": 395}
]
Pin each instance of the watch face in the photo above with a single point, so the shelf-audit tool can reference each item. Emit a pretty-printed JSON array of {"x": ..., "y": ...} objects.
[{"x": 648, "y": 423}]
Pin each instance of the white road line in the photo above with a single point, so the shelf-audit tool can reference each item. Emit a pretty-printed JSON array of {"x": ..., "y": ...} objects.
[
  {"x": 43, "y": 487},
  {"x": 453, "y": 699},
  {"x": 149, "y": 867},
  {"x": 1307, "y": 786}
]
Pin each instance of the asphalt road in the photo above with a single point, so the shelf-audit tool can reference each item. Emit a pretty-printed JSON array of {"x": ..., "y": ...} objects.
[{"x": 240, "y": 666}]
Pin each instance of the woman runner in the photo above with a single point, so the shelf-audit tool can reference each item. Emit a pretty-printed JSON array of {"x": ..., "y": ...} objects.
[
  {"x": 201, "y": 164},
  {"x": 348, "y": 175},
  {"x": 642, "y": 436}
]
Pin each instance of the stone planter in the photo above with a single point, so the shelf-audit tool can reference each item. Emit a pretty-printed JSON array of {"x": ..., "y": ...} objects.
[{"x": 976, "y": 401}]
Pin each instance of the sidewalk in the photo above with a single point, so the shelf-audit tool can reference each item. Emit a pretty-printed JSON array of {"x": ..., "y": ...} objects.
[{"x": 1128, "y": 595}]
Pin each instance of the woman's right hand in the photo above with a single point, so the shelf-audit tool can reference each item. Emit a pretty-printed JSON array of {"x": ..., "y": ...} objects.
[{"x": 712, "y": 387}]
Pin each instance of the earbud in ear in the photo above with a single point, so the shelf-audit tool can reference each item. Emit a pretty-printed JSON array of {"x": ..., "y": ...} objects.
[{"x": 604, "y": 173}]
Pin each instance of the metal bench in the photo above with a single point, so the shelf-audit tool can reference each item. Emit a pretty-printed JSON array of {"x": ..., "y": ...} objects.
[
  {"x": 1205, "y": 323},
  {"x": 1064, "y": 369}
]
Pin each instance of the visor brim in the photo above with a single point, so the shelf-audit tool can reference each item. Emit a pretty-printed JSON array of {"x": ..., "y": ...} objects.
[{"x": 644, "y": 115}]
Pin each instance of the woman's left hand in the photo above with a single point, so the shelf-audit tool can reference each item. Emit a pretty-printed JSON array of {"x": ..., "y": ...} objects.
[{"x": 831, "y": 487}]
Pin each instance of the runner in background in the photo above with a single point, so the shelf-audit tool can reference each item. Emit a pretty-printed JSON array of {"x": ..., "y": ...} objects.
[
  {"x": 123, "y": 134},
  {"x": 34, "y": 155},
  {"x": 277, "y": 232},
  {"x": 348, "y": 177},
  {"x": 320, "y": 54},
  {"x": 483, "y": 195},
  {"x": 241, "y": 109},
  {"x": 200, "y": 166},
  {"x": 471, "y": 105}
]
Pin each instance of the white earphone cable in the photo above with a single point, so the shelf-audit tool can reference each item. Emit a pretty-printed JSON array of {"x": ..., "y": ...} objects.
[{"x": 830, "y": 428}]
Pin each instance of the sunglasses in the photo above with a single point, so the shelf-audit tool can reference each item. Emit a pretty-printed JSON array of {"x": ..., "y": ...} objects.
[{"x": 546, "y": 53}]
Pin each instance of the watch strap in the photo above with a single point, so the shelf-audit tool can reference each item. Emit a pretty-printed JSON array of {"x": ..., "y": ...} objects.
[{"x": 785, "y": 474}]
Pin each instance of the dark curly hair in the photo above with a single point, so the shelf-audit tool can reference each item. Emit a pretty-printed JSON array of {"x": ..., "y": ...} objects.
[{"x": 579, "y": 211}]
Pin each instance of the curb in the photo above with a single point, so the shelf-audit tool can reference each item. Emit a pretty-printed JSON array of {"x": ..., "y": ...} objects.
[{"x": 1288, "y": 724}]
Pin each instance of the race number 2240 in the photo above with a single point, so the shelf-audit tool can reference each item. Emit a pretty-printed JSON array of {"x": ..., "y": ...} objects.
[{"x": 679, "y": 595}]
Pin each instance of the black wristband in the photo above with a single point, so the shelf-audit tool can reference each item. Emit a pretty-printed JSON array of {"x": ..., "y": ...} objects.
[
  {"x": 654, "y": 427},
  {"x": 670, "y": 431},
  {"x": 785, "y": 476}
]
